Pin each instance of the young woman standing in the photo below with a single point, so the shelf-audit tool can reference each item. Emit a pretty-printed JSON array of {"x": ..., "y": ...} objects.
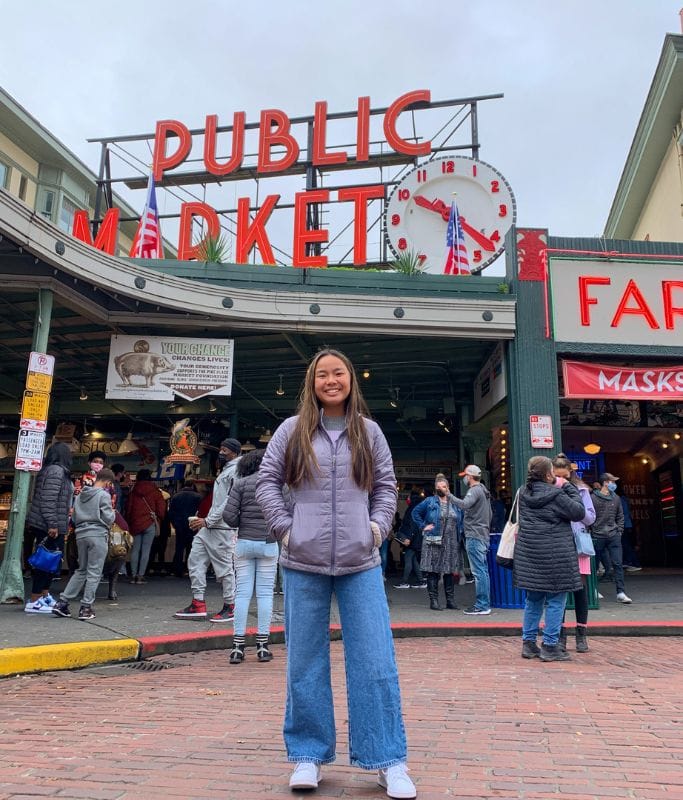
[{"x": 341, "y": 504}]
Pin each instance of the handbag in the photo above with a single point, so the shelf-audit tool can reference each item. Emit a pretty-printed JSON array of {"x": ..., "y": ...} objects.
[
  {"x": 584, "y": 542},
  {"x": 506, "y": 548},
  {"x": 157, "y": 521},
  {"x": 119, "y": 543},
  {"x": 45, "y": 560}
]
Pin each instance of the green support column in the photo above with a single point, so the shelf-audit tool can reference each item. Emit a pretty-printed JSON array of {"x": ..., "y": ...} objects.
[
  {"x": 11, "y": 579},
  {"x": 531, "y": 358}
]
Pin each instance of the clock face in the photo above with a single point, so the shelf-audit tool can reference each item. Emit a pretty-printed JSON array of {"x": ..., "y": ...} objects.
[{"x": 416, "y": 215}]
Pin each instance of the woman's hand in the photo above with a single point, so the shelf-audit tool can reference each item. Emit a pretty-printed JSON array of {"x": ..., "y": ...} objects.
[
  {"x": 53, "y": 533},
  {"x": 560, "y": 481},
  {"x": 376, "y": 534},
  {"x": 428, "y": 528}
]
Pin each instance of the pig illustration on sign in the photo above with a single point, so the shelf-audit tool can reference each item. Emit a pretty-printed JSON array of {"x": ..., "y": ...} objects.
[{"x": 146, "y": 365}]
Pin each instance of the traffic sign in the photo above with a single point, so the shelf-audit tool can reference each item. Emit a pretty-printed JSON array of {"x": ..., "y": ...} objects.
[
  {"x": 30, "y": 448},
  {"x": 34, "y": 411}
]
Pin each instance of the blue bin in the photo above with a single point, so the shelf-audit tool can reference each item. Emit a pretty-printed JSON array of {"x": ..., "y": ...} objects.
[{"x": 503, "y": 593}]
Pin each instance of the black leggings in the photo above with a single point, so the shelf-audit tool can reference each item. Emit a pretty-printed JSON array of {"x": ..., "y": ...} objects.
[{"x": 580, "y": 604}]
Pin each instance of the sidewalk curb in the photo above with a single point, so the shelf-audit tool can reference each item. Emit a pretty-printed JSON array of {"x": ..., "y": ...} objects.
[
  {"x": 75, "y": 655},
  {"x": 70, "y": 655}
]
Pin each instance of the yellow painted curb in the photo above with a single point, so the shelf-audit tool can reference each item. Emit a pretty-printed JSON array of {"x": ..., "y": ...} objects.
[{"x": 70, "y": 655}]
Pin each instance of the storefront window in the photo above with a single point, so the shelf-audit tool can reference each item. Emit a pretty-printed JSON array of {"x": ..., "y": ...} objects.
[{"x": 66, "y": 215}]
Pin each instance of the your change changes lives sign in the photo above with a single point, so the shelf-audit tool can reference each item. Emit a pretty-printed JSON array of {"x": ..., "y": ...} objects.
[{"x": 160, "y": 367}]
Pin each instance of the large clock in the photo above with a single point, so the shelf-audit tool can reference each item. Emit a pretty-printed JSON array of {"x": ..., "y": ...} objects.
[{"x": 416, "y": 215}]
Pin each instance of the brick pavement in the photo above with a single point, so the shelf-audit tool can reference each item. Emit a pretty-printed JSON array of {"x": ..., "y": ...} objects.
[{"x": 482, "y": 723}]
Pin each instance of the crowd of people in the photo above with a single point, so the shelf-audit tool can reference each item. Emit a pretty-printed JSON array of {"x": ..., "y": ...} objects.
[{"x": 320, "y": 504}]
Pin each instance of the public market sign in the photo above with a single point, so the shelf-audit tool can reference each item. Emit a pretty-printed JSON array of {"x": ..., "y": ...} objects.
[
  {"x": 617, "y": 302},
  {"x": 598, "y": 381},
  {"x": 160, "y": 367}
]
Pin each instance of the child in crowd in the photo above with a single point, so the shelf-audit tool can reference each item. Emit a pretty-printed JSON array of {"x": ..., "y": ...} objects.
[{"x": 92, "y": 517}]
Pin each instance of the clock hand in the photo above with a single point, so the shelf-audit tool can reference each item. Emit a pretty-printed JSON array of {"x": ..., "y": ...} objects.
[
  {"x": 479, "y": 238},
  {"x": 437, "y": 206}
]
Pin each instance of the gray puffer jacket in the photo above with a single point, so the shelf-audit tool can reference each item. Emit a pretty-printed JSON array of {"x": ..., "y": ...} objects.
[
  {"x": 328, "y": 518},
  {"x": 52, "y": 499},
  {"x": 242, "y": 511},
  {"x": 545, "y": 558}
]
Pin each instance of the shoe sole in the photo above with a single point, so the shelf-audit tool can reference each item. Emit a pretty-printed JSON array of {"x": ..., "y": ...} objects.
[
  {"x": 477, "y": 613},
  {"x": 85, "y": 619},
  {"x": 222, "y": 619},
  {"x": 180, "y": 615}
]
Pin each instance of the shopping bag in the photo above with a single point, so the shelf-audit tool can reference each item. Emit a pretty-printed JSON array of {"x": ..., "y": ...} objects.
[{"x": 506, "y": 548}]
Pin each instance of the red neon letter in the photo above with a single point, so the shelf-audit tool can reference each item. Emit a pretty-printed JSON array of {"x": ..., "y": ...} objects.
[
  {"x": 237, "y": 153},
  {"x": 269, "y": 137},
  {"x": 254, "y": 233},
  {"x": 393, "y": 112},
  {"x": 320, "y": 156},
  {"x": 186, "y": 250},
  {"x": 360, "y": 196},
  {"x": 363, "y": 130},
  {"x": 584, "y": 300},
  {"x": 106, "y": 234},
  {"x": 302, "y": 234},
  {"x": 642, "y": 308},
  {"x": 670, "y": 310},
  {"x": 162, "y": 162}
]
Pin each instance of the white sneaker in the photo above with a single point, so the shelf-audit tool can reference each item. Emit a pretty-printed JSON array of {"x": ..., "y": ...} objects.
[
  {"x": 306, "y": 776},
  {"x": 49, "y": 601},
  {"x": 37, "y": 608},
  {"x": 401, "y": 586},
  {"x": 396, "y": 781},
  {"x": 622, "y": 597},
  {"x": 601, "y": 596}
]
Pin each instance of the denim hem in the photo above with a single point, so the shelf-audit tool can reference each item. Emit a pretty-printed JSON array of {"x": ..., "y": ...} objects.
[
  {"x": 379, "y": 765},
  {"x": 308, "y": 760}
]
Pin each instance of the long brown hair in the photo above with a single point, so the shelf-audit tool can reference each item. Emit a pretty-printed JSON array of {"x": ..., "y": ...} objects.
[{"x": 300, "y": 460}]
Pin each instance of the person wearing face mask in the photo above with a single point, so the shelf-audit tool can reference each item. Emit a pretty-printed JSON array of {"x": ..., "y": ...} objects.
[
  {"x": 477, "y": 507},
  {"x": 214, "y": 543},
  {"x": 608, "y": 528}
]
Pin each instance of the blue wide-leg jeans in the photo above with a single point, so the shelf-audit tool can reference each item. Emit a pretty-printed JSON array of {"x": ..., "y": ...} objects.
[{"x": 376, "y": 734}]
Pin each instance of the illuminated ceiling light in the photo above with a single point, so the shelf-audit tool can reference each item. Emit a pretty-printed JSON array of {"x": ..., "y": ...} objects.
[
  {"x": 665, "y": 445},
  {"x": 503, "y": 441},
  {"x": 212, "y": 406},
  {"x": 280, "y": 389},
  {"x": 677, "y": 435},
  {"x": 127, "y": 445},
  {"x": 393, "y": 396},
  {"x": 442, "y": 422},
  {"x": 503, "y": 433},
  {"x": 84, "y": 394},
  {"x": 592, "y": 449},
  {"x": 366, "y": 373},
  {"x": 644, "y": 460}
]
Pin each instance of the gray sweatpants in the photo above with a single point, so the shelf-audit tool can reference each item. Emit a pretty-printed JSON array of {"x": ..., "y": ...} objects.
[
  {"x": 215, "y": 547},
  {"x": 92, "y": 553}
]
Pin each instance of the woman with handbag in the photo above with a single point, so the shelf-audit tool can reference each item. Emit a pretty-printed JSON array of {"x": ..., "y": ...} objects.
[
  {"x": 340, "y": 506},
  {"x": 563, "y": 468},
  {"x": 146, "y": 508},
  {"x": 441, "y": 523},
  {"x": 48, "y": 518},
  {"x": 545, "y": 562}
]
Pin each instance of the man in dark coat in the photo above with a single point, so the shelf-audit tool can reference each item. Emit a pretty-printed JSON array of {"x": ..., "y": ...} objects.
[
  {"x": 608, "y": 529},
  {"x": 182, "y": 505}
]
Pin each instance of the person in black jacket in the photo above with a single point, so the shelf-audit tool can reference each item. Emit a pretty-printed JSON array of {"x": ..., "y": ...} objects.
[
  {"x": 182, "y": 505},
  {"x": 48, "y": 518},
  {"x": 256, "y": 557},
  {"x": 545, "y": 559}
]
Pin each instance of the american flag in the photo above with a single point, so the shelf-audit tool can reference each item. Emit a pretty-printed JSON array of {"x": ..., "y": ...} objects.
[
  {"x": 147, "y": 242},
  {"x": 457, "y": 262}
]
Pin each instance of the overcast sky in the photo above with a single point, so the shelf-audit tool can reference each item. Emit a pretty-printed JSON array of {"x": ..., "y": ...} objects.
[{"x": 574, "y": 74}]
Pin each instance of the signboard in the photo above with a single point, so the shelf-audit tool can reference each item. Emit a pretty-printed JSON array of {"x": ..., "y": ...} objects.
[
  {"x": 38, "y": 382},
  {"x": 34, "y": 411},
  {"x": 541, "y": 427},
  {"x": 42, "y": 363},
  {"x": 598, "y": 381},
  {"x": 490, "y": 384},
  {"x": 160, "y": 367},
  {"x": 30, "y": 448},
  {"x": 617, "y": 302}
]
